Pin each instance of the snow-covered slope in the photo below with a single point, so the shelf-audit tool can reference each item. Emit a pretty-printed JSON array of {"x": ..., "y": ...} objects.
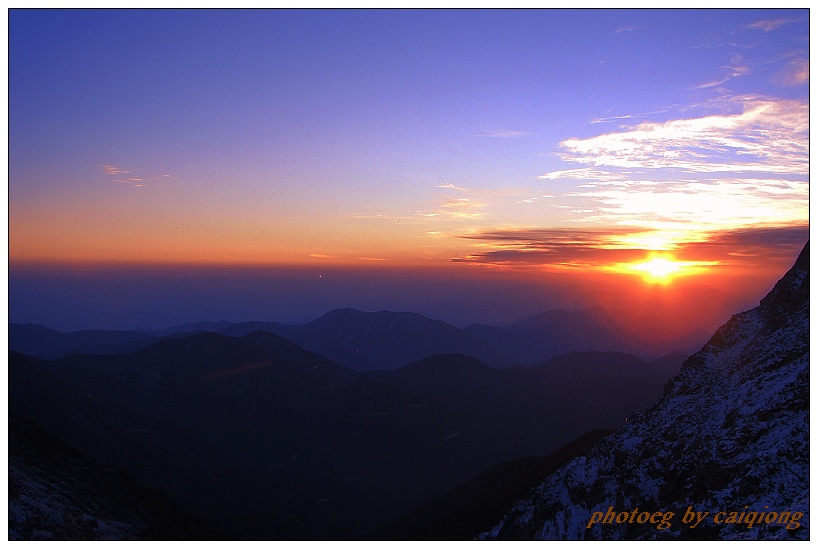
[{"x": 729, "y": 437}]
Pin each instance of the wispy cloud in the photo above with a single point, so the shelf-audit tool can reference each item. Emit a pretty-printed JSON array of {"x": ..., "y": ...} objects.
[
  {"x": 766, "y": 136},
  {"x": 112, "y": 170},
  {"x": 108, "y": 169},
  {"x": 505, "y": 134},
  {"x": 376, "y": 215},
  {"x": 618, "y": 118},
  {"x": 535, "y": 198},
  {"x": 451, "y": 186},
  {"x": 582, "y": 174},
  {"x": 460, "y": 204},
  {"x": 628, "y": 28},
  {"x": 796, "y": 73},
  {"x": 711, "y": 84},
  {"x": 737, "y": 70},
  {"x": 767, "y": 25},
  {"x": 135, "y": 181},
  {"x": 462, "y": 207}
]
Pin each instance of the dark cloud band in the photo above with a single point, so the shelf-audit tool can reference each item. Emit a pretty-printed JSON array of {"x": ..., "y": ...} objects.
[{"x": 590, "y": 248}]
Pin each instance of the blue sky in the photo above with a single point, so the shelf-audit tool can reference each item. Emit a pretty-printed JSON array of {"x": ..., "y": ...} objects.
[{"x": 407, "y": 137}]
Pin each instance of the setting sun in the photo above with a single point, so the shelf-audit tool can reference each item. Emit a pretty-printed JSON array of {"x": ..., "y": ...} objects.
[{"x": 659, "y": 269}]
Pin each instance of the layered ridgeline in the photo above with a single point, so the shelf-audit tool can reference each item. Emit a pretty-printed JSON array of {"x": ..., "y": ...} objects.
[
  {"x": 723, "y": 454},
  {"x": 386, "y": 340}
]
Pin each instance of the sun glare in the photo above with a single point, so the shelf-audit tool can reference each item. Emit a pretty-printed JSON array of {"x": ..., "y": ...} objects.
[{"x": 658, "y": 269}]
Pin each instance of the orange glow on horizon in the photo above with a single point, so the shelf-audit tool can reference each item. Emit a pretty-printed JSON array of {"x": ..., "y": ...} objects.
[{"x": 660, "y": 268}]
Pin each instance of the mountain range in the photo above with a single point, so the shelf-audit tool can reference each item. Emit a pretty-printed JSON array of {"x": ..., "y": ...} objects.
[
  {"x": 248, "y": 429},
  {"x": 231, "y": 427},
  {"x": 388, "y": 340}
]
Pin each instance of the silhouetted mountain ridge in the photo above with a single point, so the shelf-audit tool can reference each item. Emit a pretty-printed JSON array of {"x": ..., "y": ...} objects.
[
  {"x": 37, "y": 340},
  {"x": 387, "y": 340}
]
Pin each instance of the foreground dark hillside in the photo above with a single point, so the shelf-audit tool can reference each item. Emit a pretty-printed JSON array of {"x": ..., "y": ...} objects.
[
  {"x": 57, "y": 493},
  {"x": 471, "y": 508},
  {"x": 550, "y": 403},
  {"x": 257, "y": 436},
  {"x": 729, "y": 435}
]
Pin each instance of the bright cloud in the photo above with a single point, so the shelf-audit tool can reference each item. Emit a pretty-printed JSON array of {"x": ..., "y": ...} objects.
[
  {"x": 710, "y": 203},
  {"x": 767, "y": 136},
  {"x": 684, "y": 177}
]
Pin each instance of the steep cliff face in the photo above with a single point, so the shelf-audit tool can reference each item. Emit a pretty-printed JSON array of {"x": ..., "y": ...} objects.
[{"x": 729, "y": 437}]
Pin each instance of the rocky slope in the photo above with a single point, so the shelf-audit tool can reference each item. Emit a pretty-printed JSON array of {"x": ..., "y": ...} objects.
[
  {"x": 729, "y": 437},
  {"x": 56, "y": 492}
]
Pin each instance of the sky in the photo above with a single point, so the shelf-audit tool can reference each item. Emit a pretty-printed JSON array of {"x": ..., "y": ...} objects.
[{"x": 475, "y": 165}]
